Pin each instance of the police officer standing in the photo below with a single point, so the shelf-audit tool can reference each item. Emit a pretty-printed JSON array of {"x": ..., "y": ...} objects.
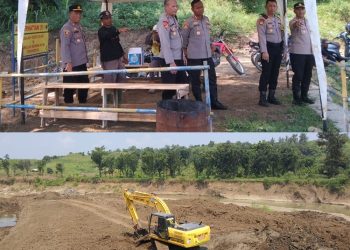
[
  {"x": 171, "y": 53},
  {"x": 301, "y": 56},
  {"x": 197, "y": 49},
  {"x": 271, "y": 45},
  {"x": 74, "y": 53}
]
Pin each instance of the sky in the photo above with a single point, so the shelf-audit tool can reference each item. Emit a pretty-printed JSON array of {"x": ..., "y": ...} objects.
[{"x": 37, "y": 145}]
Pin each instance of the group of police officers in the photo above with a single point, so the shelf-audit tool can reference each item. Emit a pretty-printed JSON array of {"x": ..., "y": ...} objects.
[{"x": 191, "y": 44}]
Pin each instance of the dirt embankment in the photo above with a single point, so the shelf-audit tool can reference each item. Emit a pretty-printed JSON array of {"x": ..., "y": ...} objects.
[
  {"x": 94, "y": 217},
  {"x": 218, "y": 189}
]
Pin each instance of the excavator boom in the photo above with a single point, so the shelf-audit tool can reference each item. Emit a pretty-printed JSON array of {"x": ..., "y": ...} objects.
[
  {"x": 162, "y": 226},
  {"x": 147, "y": 199}
]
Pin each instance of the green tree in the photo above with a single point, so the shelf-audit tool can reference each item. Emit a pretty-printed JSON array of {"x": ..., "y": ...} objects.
[
  {"x": 174, "y": 160},
  {"x": 333, "y": 144},
  {"x": 288, "y": 155},
  {"x": 119, "y": 164},
  {"x": 160, "y": 162},
  {"x": 147, "y": 162},
  {"x": 49, "y": 171},
  {"x": 202, "y": 159},
  {"x": 131, "y": 160},
  {"x": 97, "y": 156},
  {"x": 41, "y": 166},
  {"x": 226, "y": 160},
  {"x": 5, "y": 164},
  {"x": 60, "y": 168},
  {"x": 109, "y": 163},
  {"x": 263, "y": 160}
]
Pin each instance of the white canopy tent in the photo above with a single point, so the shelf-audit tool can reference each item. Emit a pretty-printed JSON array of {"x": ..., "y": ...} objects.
[{"x": 311, "y": 10}]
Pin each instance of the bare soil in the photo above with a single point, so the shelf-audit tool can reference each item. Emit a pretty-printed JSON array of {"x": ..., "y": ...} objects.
[
  {"x": 94, "y": 217},
  {"x": 239, "y": 93}
]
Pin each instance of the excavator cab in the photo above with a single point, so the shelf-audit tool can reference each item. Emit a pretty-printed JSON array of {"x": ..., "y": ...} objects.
[{"x": 159, "y": 224}]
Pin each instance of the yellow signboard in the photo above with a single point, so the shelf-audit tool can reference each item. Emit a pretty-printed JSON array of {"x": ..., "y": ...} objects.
[
  {"x": 36, "y": 39},
  {"x": 34, "y": 28}
]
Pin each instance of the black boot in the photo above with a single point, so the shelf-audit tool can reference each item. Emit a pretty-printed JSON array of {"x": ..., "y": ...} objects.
[
  {"x": 296, "y": 98},
  {"x": 218, "y": 105},
  {"x": 306, "y": 99},
  {"x": 262, "y": 100},
  {"x": 272, "y": 99}
]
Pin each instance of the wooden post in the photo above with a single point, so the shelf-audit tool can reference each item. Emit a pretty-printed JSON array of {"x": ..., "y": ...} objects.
[{"x": 344, "y": 92}]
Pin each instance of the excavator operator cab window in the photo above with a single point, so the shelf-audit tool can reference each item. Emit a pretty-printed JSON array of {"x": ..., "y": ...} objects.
[
  {"x": 170, "y": 222},
  {"x": 162, "y": 228}
]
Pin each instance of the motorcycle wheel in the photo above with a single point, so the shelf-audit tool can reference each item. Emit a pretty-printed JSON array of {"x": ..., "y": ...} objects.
[
  {"x": 256, "y": 60},
  {"x": 216, "y": 58},
  {"x": 236, "y": 64}
]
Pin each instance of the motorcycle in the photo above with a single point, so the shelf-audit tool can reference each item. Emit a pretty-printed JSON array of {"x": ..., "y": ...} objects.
[
  {"x": 344, "y": 36},
  {"x": 331, "y": 52},
  {"x": 255, "y": 56},
  {"x": 222, "y": 49}
]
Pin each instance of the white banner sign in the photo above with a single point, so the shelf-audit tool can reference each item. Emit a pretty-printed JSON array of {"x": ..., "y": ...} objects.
[
  {"x": 311, "y": 11},
  {"x": 22, "y": 17}
]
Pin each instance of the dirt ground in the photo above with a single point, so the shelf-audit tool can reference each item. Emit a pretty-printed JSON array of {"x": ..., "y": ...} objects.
[
  {"x": 239, "y": 93},
  {"x": 85, "y": 217}
]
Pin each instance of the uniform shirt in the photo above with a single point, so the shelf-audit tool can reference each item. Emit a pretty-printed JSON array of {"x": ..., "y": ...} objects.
[
  {"x": 110, "y": 47},
  {"x": 269, "y": 30},
  {"x": 300, "y": 38},
  {"x": 73, "y": 44},
  {"x": 196, "y": 37},
  {"x": 170, "y": 39}
]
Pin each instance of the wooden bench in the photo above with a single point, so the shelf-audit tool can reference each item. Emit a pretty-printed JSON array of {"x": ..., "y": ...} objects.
[{"x": 182, "y": 91}]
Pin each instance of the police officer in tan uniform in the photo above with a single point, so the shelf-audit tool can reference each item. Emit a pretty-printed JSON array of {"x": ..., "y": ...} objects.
[
  {"x": 74, "y": 53},
  {"x": 197, "y": 49},
  {"x": 171, "y": 53},
  {"x": 301, "y": 56},
  {"x": 271, "y": 45}
]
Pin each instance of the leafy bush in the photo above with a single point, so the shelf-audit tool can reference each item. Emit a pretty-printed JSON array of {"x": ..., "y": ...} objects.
[{"x": 337, "y": 184}]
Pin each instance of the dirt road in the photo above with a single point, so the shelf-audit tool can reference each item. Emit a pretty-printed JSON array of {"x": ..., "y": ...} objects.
[{"x": 94, "y": 220}]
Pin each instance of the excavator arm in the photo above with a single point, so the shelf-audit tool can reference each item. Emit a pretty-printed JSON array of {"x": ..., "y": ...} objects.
[{"x": 149, "y": 200}]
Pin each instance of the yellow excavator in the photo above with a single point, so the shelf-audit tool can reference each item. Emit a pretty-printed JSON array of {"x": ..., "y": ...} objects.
[{"x": 162, "y": 225}]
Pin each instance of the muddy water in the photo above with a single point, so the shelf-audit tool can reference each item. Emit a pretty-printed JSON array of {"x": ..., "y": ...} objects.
[
  {"x": 272, "y": 205},
  {"x": 7, "y": 220}
]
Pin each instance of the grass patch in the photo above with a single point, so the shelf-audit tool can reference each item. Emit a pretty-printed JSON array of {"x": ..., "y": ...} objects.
[
  {"x": 296, "y": 119},
  {"x": 264, "y": 208}
]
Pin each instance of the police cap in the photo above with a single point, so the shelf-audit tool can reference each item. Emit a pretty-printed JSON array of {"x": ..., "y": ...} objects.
[
  {"x": 299, "y": 5},
  {"x": 105, "y": 14},
  {"x": 75, "y": 7}
]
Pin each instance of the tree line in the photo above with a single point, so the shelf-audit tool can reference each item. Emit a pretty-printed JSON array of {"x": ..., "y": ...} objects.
[
  {"x": 295, "y": 155},
  {"x": 27, "y": 166},
  {"x": 291, "y": 155}
]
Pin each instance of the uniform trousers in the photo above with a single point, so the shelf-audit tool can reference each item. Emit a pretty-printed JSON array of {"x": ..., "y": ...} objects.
[
  {"x": 168, "y": 77},
  {"x": 302, "y": 67},
  {"x": 82, "y": 93},
  {"x": 270, "y": 69},
  {"x": 196, "y": 81}
]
